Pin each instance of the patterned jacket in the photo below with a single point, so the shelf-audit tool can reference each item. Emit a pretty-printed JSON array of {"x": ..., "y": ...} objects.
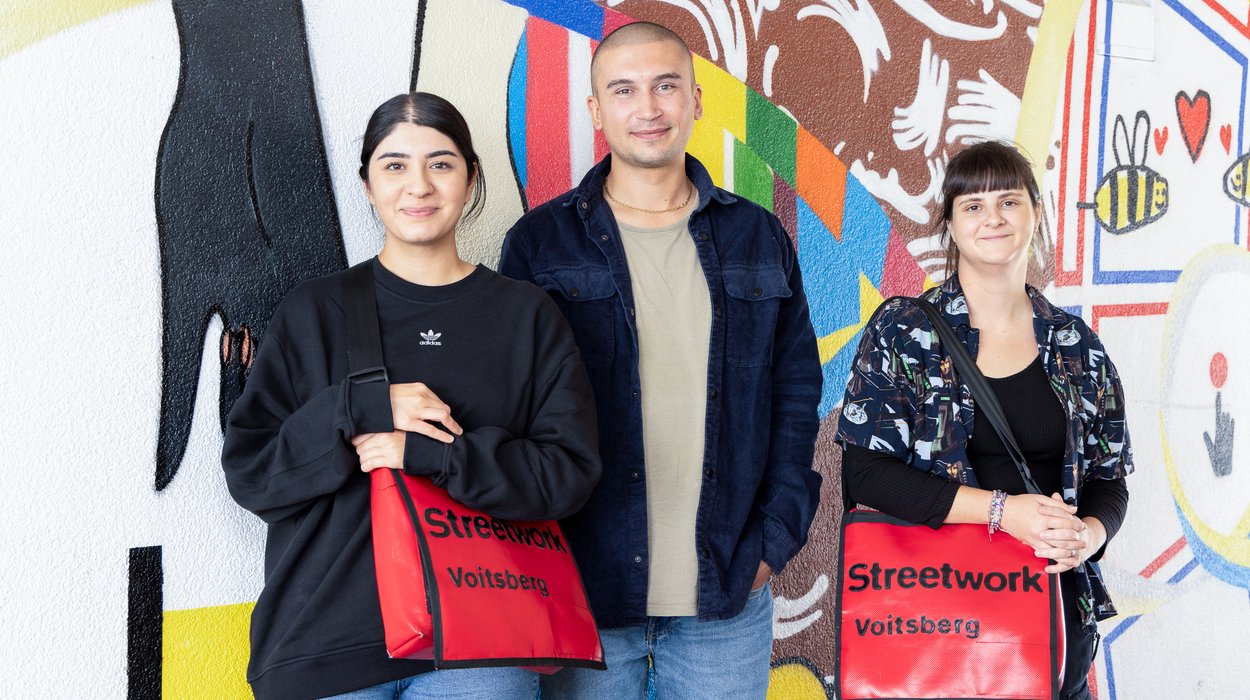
[{"x": 904, "y": 398}]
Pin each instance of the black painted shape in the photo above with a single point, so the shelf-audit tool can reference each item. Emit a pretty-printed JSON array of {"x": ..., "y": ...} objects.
[
  {"x": 244, "y": 203},
  {"x": 144, "y": 624},
  {"x": 416, "y": 45}
]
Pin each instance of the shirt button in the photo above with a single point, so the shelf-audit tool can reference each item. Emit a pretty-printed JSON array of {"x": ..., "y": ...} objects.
[
  {"x": 584, "y": 205},
  {"x": 635, "y": 394},
  {"x": 574, "y": 292},
  {"x": 719, "y": 311},
  {"x": 702, "y": 236},
  {"x": 707, "y": 553},
  {"x": 712, "y": 393},
  {"x": 633, "y": 475},
  {"x": 631, "y": 311},
  {"x": 604, "y": 237},
  {"x": 709, "y": 473},
  {"x": 756, "y": 291},
  {"x": 637, "y": 559}
]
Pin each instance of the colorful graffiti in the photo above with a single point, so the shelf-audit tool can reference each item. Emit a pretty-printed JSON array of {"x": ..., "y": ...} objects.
[
  {"x": 154, "y": 232},
  {"x": 892, "y": 87},
  {"x": 1131, "y": 195},
  {"x": 1141, "y": 269}
]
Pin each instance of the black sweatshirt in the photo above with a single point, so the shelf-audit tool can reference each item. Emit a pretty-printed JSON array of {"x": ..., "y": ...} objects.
[
  {"x": 497, "y": 351},
  {"x": 1036, "y": 419}
]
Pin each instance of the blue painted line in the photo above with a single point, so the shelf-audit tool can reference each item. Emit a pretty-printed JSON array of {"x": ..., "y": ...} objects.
[
  {"x": 1102, "y": 128},
  {"x": 1179, "y": 575},
  {"x": 1134, "y": 276},
  {"x": 581, "y": 16},
  {"x": 1106, "y": 644},
  {"x": 516, "y": 108}
]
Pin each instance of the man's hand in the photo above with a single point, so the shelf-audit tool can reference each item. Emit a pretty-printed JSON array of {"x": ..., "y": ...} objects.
[{"x": 761, "y": 576}]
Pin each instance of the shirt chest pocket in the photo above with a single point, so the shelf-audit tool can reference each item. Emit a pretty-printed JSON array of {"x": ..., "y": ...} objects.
[
  {"x": 587, "y": 297},
  {"x": 753, "y": 297}
]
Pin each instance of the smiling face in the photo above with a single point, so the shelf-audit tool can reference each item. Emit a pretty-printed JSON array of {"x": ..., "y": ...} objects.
[
  {"x": 993, "y": 228},
  {"x": 645, "y": 102},
  {"x": 419, "y": 183}
]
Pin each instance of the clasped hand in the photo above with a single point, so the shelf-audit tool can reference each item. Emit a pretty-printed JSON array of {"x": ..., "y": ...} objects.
[
  {"x": 414, "y": 409},
  {"x": 1050, "y": 527}
]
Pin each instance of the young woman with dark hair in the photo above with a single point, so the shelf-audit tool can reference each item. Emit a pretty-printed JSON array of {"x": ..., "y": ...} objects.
[
  {"x": 915, "y": 445},
  {"x": 487, "y": 396}
]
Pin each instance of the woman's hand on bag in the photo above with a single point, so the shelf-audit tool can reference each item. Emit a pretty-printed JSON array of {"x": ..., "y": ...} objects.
[
  {"x": 1029, "y": 517},
  {"x": 380, "y": 450},
  {"x": 417, "y": 409}
]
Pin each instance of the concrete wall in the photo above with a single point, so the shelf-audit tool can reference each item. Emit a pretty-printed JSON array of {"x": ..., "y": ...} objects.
[{"x": 168, "y": 171}]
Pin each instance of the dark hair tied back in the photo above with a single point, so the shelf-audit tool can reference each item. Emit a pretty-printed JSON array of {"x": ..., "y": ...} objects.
[{"x": 426, "y": 109}]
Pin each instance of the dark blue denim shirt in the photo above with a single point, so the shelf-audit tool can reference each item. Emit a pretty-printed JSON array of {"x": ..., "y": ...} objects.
[{"x": 759, "y": 492}]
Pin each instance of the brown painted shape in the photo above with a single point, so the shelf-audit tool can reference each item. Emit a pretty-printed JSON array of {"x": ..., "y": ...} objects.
[{"x": 819, "y": 557}]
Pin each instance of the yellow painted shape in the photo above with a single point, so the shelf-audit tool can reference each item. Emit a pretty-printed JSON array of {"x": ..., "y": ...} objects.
[
  {"x": 25, "y": 22},
  {"x": 869, "y": 300},
  {"x": 1143, "y": 195},
  {"x": 1039, "y": 103},
  {"x": 724, "y": 98},
  {"x": 794, "y": 682},
  {"x": 724, "y": 109},
  {"x": 707, "y": 143},
  {"x": 1130, "y": 605},
  {"x": 1121, "y": 205},
  {"x": 204, "y": 652},
  {"x": 1102, "y": 198}
]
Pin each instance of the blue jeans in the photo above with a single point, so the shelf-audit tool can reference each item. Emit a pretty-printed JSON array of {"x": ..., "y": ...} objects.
[
  {"x": 691, "y": 659},
  {"x": 454, "y": 684}
]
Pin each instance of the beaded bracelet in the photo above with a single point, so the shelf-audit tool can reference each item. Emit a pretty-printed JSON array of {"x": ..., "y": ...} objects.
[{"x": 997, "y": 501}]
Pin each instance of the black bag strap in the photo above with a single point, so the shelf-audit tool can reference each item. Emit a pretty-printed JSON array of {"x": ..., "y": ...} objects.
[
  {"x": 364, "y": 344},
  {"x": 987, "y": 401}
]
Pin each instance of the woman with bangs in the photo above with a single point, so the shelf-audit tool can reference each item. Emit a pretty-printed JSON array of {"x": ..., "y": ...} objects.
[
  {"x": 484, "y": 393},
  {"x": 1058, "y": 388}
]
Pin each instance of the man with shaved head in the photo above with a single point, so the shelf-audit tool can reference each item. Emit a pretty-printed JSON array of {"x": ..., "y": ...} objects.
[{"x": 689, "y": 312}]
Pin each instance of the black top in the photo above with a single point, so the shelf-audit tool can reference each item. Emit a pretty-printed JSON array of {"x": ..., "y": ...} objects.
[
  {"x": 1035, "y": 417},
  {"x": 497, "y": 351},
  {"x": 1037, "y": 422}
]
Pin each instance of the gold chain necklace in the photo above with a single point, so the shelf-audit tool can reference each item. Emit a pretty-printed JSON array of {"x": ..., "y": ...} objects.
[{"x": 679, "y": 207}]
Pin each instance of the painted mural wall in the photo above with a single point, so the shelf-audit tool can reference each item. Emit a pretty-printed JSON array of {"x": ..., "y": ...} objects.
[{"x": 169, "y": 169}]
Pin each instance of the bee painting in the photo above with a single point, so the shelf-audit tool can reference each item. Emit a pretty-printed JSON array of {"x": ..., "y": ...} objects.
[
  {"x": 1130, "y": 195},
  {"x": 1235, "y": 185}
]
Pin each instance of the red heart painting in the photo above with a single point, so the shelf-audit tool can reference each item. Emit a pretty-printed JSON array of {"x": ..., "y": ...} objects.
[
  {"x": 1226, "y": 137},
  {"x": 1161, "y": 139},
  {"x": 1194, "y": 116}
]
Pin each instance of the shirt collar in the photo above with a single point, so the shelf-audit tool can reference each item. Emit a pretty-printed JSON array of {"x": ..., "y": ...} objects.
[
  {"x": 590, "y": 190},
  {"x": 950, "y": 299}
]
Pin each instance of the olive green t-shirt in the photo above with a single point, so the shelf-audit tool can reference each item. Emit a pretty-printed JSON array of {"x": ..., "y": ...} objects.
[{"x": 673, "y": 312}]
